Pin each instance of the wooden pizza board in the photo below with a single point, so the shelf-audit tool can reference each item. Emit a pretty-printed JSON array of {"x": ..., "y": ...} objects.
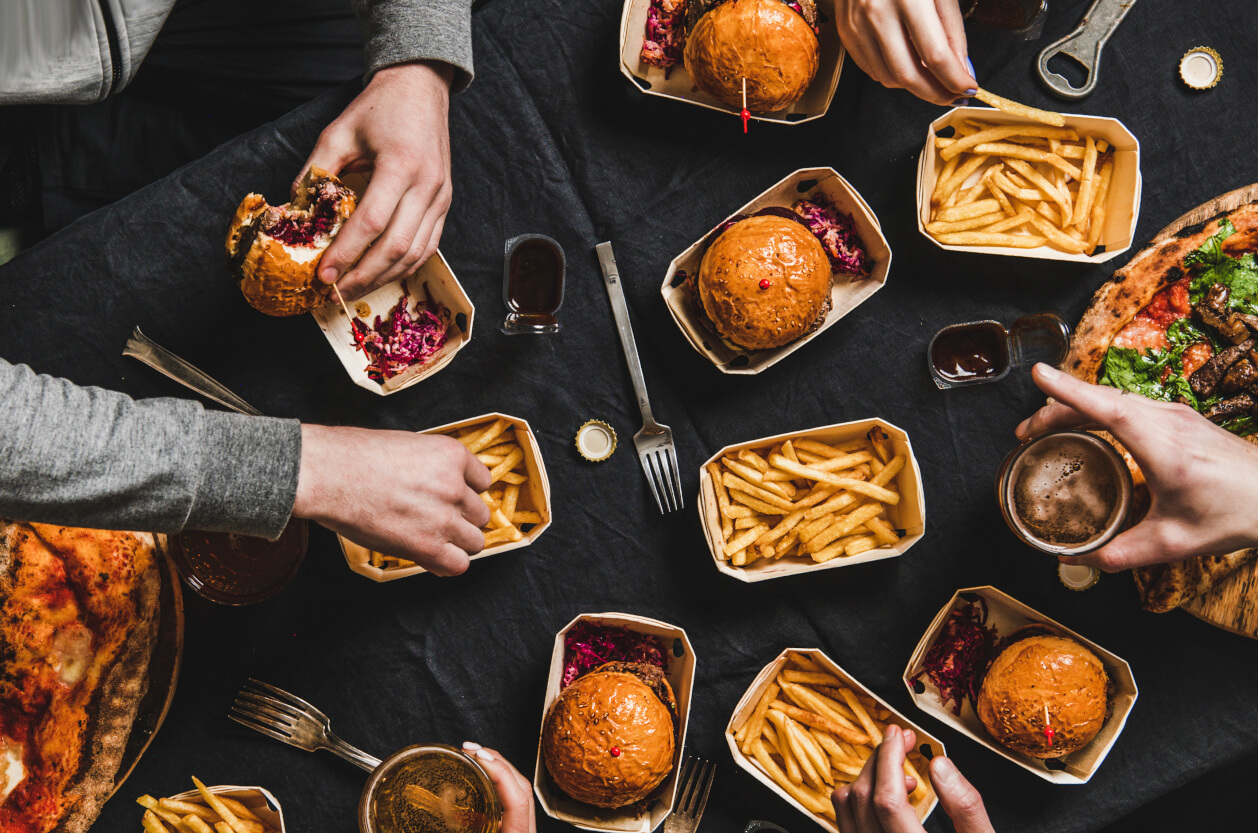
[{"x": 1233, "y": 605}]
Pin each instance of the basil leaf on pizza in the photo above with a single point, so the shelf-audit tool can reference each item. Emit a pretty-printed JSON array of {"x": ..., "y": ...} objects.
[{"x": 1238, "y": 274}]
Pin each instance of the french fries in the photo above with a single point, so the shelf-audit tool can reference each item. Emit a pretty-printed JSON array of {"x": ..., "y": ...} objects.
[
  {"x": 816, "y": 742},
  {"x": 1020, "y": 186},
  {"x": 495, "y": 444},
  {"x": 216, "y": 813},
  {"x": 831, "y": 499}
]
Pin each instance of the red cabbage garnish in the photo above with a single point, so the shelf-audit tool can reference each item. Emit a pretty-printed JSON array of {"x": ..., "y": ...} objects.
[
  {"x": 587, "y": 646},
  {"x": 837, "y": 233},
  {"x": 403, "y": 340},
  {"x": 959, "y": 657},
  {"x": 665, "y": 34}
]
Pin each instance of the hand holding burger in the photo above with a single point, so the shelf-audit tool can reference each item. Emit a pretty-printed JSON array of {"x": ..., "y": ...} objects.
[{"x": 878, "y": 800}]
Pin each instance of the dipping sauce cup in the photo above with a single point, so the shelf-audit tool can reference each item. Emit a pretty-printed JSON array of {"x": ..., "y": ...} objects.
[{"x": 985, "y": 351}]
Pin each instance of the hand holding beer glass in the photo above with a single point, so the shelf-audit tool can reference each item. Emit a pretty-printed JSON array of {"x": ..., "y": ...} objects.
[{"x": 1203, "y": 481}]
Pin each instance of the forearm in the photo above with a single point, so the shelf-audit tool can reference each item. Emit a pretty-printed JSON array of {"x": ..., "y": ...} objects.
[
  {"x": 96, "y": 458},
  {"x": 402, "y": 31}
]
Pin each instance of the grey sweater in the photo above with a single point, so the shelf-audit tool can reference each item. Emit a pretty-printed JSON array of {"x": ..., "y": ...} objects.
[{"x": 96, "y": 458}]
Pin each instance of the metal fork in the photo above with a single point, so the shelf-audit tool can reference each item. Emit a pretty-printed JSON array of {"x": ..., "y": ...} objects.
[
  {"x": 696, "y": 778},
  {"x": 290, "y": 719},
  {"x": 655, "y": 441}
]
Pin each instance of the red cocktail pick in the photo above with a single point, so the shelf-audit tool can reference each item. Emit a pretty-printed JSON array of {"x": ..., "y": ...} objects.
[
  {"x": 358, "y": 336},
  {"x": 745, "y": 114},
  {"x": 1048, "y": 729}
]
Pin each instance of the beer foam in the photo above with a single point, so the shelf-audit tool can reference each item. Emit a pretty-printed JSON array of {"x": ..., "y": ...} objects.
[{"x": 1065, "y": 491}]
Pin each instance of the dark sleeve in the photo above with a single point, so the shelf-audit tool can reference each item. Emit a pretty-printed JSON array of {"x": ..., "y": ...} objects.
[
  {"x": 397, "y": 31},
  {"x": 96, "y": 458}
]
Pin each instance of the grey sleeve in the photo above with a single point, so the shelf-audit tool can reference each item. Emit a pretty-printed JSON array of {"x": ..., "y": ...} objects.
[
  {"x": 90, "y": 457},
  {"x": 397, "y": 31}
]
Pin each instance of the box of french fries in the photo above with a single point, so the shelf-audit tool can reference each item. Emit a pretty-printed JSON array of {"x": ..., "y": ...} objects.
[
  {"x": 1007, "y": 614},
  {"x": 812, "y": 500},
  {"x": 675, "y": 83},
  {"x": 435, "y": 282},
  {"x": 518, "y": 498},
  {"x": 806, "y": 726},
  {"x": 225, "y": 809},
  {"x": 999, "y": 182},
  {"x": 846, "y": 294},
  {"x": 681, "y": 678}
]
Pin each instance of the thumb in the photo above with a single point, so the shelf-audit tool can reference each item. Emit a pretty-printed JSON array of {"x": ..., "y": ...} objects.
[
  {"x": 1144, "y": 543},
  {"x": 960, "y": 800},
  {"x": 332, "y": 152}
]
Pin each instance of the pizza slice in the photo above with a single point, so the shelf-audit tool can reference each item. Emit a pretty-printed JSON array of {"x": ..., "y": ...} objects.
[{"x": 1179, "y": 323}]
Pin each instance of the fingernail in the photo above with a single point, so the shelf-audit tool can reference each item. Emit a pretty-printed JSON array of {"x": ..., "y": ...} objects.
[
  {"x": 1048, "y": 371},
  {"x": 893, "y": 731},
  {"x": 945, "y": 771},
  {"x": 471, "y": 747},
  {"x": 328, "y": 275},
  {"x": 961, "y": 102},
  {"x": 970, "y": 66},
  {"x": 484, "y": 755},
  {"x": 1021, "y": 431}
]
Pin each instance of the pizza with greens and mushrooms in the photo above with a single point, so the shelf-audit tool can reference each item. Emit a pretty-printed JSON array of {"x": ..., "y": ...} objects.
[{"x": 1179, "y": 323}]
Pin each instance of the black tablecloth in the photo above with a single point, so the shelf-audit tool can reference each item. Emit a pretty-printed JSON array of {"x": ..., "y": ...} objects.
[{"x": 552, "y": 139}]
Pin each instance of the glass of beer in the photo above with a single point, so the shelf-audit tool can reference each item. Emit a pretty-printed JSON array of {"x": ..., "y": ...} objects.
[
  {"x": 429, "y": 788},
  {"x": 1066, "y": 492}
]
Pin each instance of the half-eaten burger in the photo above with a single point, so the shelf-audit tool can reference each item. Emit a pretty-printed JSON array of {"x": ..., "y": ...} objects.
[
  {"x": 770, "y": 43},
  {"x": 1044, "y": 695},
  {"x": 609, "y": 737},
  {"x": 273, "y": 251}
]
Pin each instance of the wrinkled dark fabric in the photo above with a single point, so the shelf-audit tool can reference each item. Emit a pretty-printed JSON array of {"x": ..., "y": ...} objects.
[{"x": 552, "y": 139}]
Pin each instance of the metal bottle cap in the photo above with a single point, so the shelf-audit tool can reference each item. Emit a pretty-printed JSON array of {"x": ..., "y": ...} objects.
[
  {"x": 596, "y": 440},
  {"x": 1201, "y": 68},
  {"x": 1078, "y": 576}
]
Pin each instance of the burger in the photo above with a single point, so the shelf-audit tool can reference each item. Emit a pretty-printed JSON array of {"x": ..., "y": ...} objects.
[
  {"x": 769, "y": 43},
  {"x": 764, "y": 281},
  {"x": 609, "y": 737},
  {"x": 1044, "y": 695},
  {"x": 273, "y": 251}
]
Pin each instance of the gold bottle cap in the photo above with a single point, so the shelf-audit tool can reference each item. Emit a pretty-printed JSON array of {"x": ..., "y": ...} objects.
[
  {"x": 1078, "y": 576},
  {"x": 1201, "y": 68},
  {"x": 596, "y": 440}
]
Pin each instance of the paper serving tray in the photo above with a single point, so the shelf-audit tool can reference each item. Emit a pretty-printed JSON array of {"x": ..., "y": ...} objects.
[
  {"x": 535, "y": 497},
  {"x": 681, "y": 677},
  {"x": 1122, "y": 204},
  {"x": 908, "y": 515},
  {"x": 846, "y": 294},
  {"x": 1008, "y": 614},
  {"x": 263, "y": 804},
  {"x": 927, "y": 744},
  {"x": 443, "y": 287},
  {"x": 679, "y": 87}
]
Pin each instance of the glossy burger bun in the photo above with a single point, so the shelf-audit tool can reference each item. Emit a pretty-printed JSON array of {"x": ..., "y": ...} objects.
[
  {"x": 766, "y": 247},
  {"x": 278, "y": 278},
  {"x": 1041, "y": 670},
  {"x": 765, "y": 41},
  {"x": 603, "y": 710}
]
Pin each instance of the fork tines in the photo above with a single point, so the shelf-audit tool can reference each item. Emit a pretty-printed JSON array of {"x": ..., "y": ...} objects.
[
  {"x": 663, "y": 477},
  {"x": 272, "y": 711},
  {"x": 696, "y": 780}
]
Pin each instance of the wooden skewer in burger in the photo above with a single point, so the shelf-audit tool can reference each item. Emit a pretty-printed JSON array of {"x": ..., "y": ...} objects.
[{"x": 770, "y": 46}]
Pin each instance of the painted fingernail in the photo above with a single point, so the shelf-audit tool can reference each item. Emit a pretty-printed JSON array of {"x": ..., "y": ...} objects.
[
  {"x": 328, "y": 275},
  {"x": 961, "y": 102},
  {"x": 970, "y": 66},
  {"x": 471, "y": 747},
  {"x": 945, "y": 772},
  {"x": 484, "y": 755}
]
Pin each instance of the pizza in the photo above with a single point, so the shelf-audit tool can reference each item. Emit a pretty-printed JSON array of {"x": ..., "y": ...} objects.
[
  {"x": 1179, "y": 323},
  {"x": 78, "y": 621}
]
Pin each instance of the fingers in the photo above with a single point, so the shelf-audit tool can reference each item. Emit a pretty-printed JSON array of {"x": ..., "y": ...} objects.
[
  {"x": 365, "y": 225},
  {"x": 1124, "y": 416},
  {"x": 474, "y": 509},
  {"x": 390, "y": 255},
  {"x": 332, "y": 152},
  {"x": 514, "y": 792},
  {"x": 1052, "y": 417},
  {"x": 468, "y": 538},
  {"x": 844, "y": 817},
  {"x": 891, "y": 801},
  {"x": 477, "y": 474},
  {"x": 936, "y": 52},
  {"x": 861, "y": 799},
  {"x": 960, "y": 800},
  {"x": 954, "y": 30},
  {"x": 1148, "y": 542}
]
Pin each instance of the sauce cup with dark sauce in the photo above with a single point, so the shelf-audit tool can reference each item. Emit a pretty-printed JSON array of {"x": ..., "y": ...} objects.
[
  {"x": 532, "y": 284},
  {"x": 985, "y": 351}
]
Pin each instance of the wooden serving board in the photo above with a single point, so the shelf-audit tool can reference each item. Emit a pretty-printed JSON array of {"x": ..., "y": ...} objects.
[{"x": 1233, "y": 605}]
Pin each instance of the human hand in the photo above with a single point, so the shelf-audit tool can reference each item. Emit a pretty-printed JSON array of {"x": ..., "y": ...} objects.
[
  {"x": 918, "y": 45},
  {"x": 415, "y": 496},
  {"x": 1203, "y": 481},
  {"x": 878, "y": 800},
  {"x": 514, "y": 791},
  {"x": 398, "y": 129}
]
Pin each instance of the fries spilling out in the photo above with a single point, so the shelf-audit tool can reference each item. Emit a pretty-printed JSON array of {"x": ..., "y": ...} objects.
[
  {"x": 494, "y": 443},
  {"x": 218, "y": 814},
  {"x": 810, "y": 732},
  {"x": 805, "y": 499},
  {"x": 1020, "y": 185}
]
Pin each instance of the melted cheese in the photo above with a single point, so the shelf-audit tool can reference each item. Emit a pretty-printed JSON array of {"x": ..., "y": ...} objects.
[
  {"x": 72, "y": 654},
  {"x": 13, "y": 771},
  {"x": 1142, "y": 334}
]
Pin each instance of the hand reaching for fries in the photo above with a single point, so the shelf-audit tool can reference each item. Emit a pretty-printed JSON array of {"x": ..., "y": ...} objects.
[
  {"x": 412, "y": 495},
  {"x": 917, "y": 45},
  {"x": 878, "y": 801},
  {"x": 1202, "y": 479}
]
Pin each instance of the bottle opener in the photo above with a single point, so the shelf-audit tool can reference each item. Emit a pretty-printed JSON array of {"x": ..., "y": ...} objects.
[{"x": 1084, "y": 44}]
